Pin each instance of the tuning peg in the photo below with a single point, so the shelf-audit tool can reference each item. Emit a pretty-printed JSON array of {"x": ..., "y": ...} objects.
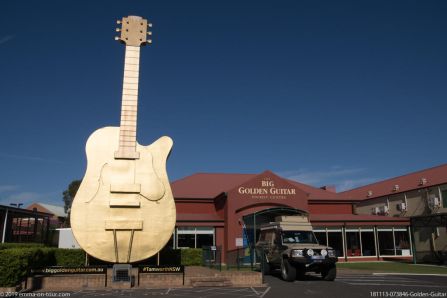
[
  {"x": 149, "y": 41},
  {"x": 117, "y": 29},
  {"x": 149, "y": 25},
  {"x": 117, "y": 38},
  {"x": 118, "y": 21},
  {"x": 149, "y": 33}
]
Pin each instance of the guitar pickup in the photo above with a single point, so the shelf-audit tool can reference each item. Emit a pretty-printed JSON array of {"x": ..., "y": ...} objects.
[
  {"x": 123, "y": 224},
  {"x": 125, "y": 188},
  {"x": 128, "y": 201}
]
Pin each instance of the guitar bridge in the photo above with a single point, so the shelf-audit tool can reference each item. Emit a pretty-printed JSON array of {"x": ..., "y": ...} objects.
[{"x": 125, "y": 188}]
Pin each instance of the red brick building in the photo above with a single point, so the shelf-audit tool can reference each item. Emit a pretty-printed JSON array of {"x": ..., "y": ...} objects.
[{"x": 226, "y": 210}]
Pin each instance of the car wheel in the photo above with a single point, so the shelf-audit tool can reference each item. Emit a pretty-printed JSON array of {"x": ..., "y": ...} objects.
[
  {"x": 329, "y": 273},
  {"x": 288, "y": 272}
]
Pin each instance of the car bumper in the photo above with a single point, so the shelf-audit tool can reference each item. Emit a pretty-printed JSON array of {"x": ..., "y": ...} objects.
[{"x": 308, "y": 261}]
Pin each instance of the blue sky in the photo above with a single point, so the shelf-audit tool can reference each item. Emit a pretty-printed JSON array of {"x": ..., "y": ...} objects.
[{"x": 324, "y": 92}]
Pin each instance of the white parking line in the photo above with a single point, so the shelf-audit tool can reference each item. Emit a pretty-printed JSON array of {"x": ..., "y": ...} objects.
[
  {"x": 401, "y": 285},
  {"x": 423, "y": 274},
  {"x": 265, "y": 292},
  {"x": 256, "y": 292},
  {"x": 384, "y": 280}
]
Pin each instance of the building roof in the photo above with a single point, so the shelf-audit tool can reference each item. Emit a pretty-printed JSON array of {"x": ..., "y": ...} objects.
[
  {"x": 23, "y": 211},
  {"x": 433, "y": 176},
  {"x": 54, "y": 209},
  {"x": 207, "y": 185},
  {"x": 210, "y": 185},
  {"x": 316, "y": 193}
]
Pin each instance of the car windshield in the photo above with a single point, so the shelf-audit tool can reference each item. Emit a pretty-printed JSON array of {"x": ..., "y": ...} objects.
[{"x": 298, "y": 237}]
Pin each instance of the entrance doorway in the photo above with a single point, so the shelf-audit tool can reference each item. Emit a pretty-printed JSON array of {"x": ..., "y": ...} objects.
[{"x": 253, "y": 221}]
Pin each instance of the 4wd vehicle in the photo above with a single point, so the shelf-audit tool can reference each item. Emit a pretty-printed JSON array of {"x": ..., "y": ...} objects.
[{"x": 290, "y": 244}]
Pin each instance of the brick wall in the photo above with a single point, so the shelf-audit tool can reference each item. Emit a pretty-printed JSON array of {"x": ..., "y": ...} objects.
[
  {"x": 243, "y": 278},
  {"x": 144, "y": 280},
  {"x": 162, "y": 280},
  {"x": 67, "y": 282}
]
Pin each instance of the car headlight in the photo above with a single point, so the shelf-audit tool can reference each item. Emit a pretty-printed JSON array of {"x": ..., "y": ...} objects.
[
  {"x": 331, "y": 253},
  {"x": 310, "y": 252},
  {"x": 296, "y": 253},
  {"x": 324, "y": 252}
]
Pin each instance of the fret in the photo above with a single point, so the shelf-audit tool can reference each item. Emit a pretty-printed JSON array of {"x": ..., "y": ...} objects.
[
  {"x": 126, "y": 123},
  {"x": 129, "y": 124},
  {"x": 130, "y": 92},
  {"x": 129, "y": 114},
  {"x": 130, "y": 119},
  {"x": 130, "y": 80},
  {"x": 132, "y": 60},
  {"x": 130, "y": 74},
  {"x": 130, "y": 86},
  {"x": 129, "y": 105},
  {"x": 129, "y": 97},
  {"x": 127, "y": 140},
  {"x": 128, "y": 134},
  {"x": 131, "y": 67}
]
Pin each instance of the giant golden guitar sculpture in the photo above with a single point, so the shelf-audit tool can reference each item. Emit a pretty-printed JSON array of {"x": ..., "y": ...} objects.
[{"x": 124, "y": 210}]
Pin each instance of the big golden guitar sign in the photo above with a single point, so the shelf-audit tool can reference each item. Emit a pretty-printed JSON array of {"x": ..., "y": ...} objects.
[{"x": 267, "y": 190}]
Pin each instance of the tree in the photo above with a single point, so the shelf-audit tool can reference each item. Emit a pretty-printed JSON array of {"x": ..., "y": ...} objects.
[{"x": 70, "y": 193}]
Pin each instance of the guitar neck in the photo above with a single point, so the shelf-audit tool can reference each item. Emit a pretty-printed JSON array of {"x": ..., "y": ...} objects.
[{"x": 129, "y": 105}]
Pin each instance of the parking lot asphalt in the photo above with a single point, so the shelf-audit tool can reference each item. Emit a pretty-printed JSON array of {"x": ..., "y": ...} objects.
[
  {"x": 360, "y": 285},
  {"x": 346, "y": 285}
]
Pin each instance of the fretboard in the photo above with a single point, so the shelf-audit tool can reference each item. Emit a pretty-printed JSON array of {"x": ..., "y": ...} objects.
[{"x": 129, "y": 105}]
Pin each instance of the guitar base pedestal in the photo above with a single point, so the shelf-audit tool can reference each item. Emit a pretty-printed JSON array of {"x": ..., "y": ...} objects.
[{"x": 122, "y": 277}]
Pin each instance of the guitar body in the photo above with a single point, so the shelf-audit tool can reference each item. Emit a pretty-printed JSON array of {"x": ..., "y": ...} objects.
[{"x": 124, "y": 210}]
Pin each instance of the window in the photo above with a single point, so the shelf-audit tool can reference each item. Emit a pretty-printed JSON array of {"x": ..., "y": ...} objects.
[
  {"x": 298, "y": 237},
  {"x": 386, "y": 242},
  {"x": 194, "y": 237},
  {"x": 186, "y": 240},
  {"x": 204, "y": 240},
  {"x": 321, "y": 237},
  {"x": 368, "y": 243},
  {"x": 335, "y": 240},
  {"x": 394, "y": 242},
  {"x": 444, "y": 198},
  {"x": 353, "y": 243},
  {"x": 402, "y": 242}
]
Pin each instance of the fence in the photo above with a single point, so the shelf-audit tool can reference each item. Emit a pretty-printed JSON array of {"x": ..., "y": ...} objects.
[{"x": 212, "y": 257}]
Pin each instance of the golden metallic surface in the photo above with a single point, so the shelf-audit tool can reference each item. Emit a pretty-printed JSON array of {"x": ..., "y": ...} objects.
[
  {"x": 124, "y": 210},
  {"x": 133, "y": 31}
]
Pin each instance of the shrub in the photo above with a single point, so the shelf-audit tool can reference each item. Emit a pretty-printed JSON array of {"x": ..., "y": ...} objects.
[
  {"x": 69, "y": 257},
  {"x": 14, "y": 265},
  {"x": 19, "y": 245},
  {"x": 192, "y": 256}
]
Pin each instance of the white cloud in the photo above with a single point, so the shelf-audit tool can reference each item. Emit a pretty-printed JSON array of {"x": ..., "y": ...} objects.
[
  {"x": 342, "y": 178},
  {"x": 8, "y": 188},
  {"x": 27, "y": 157},
  {"x": 28, "y": 197},
  {"x": 5, "y": 39}
]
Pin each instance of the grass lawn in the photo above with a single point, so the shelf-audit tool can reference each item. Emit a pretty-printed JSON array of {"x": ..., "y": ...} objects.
[{"x": 383, "y": 267}]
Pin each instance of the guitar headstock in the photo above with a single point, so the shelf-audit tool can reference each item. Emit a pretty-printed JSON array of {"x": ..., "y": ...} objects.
[{"x": 134, "y": 30}]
